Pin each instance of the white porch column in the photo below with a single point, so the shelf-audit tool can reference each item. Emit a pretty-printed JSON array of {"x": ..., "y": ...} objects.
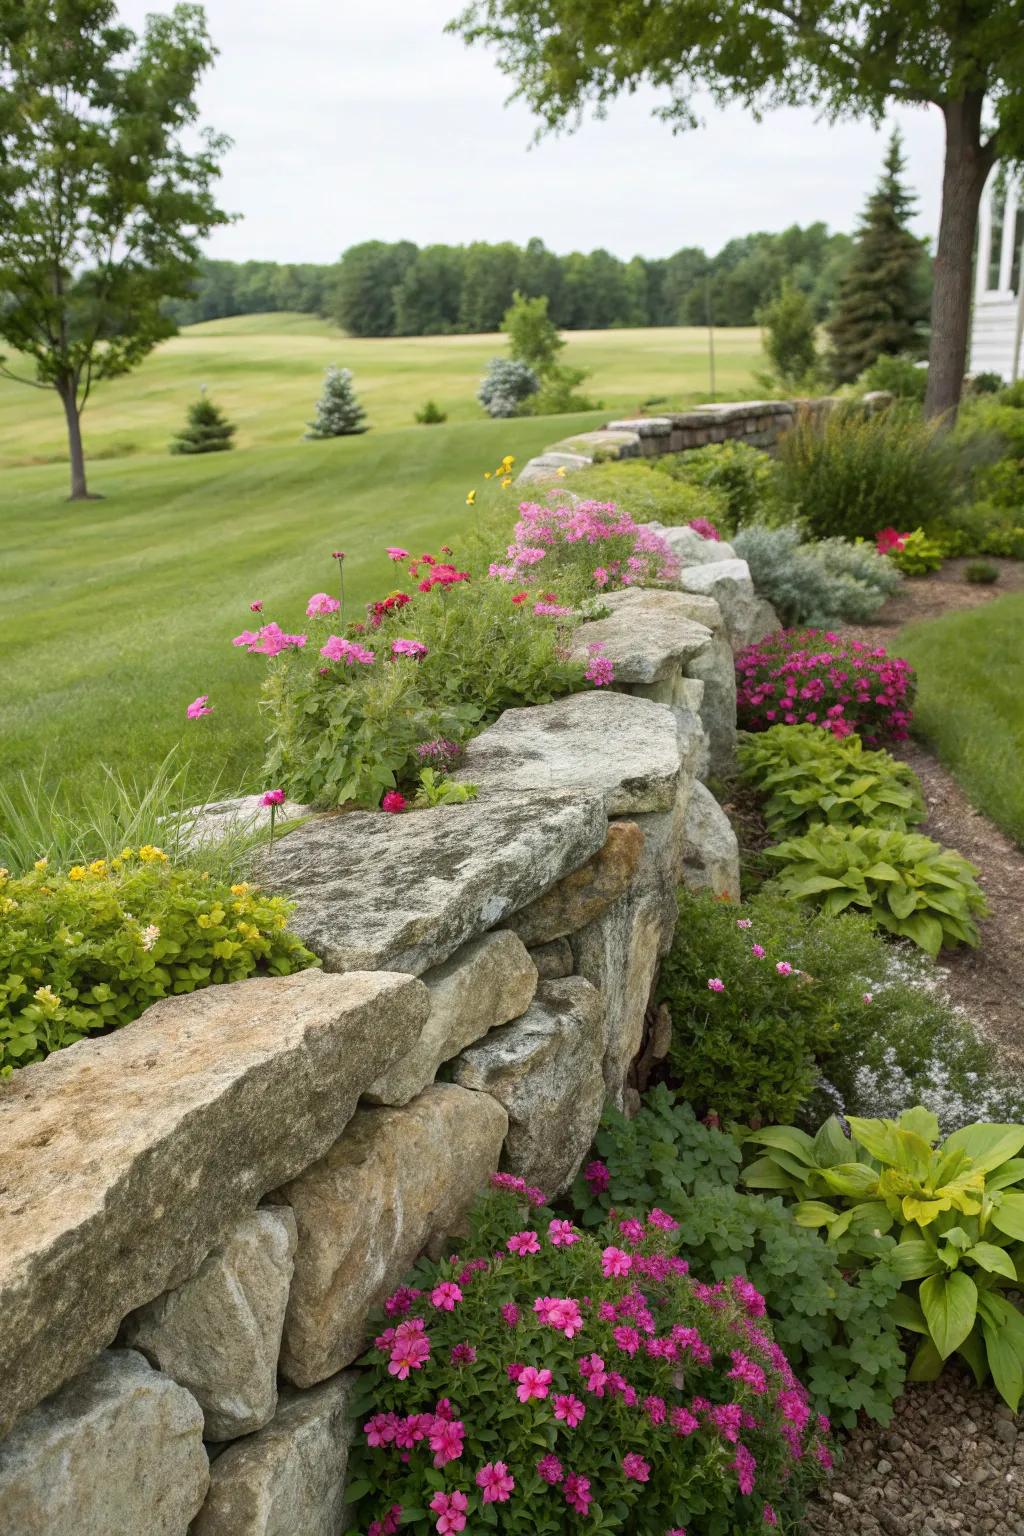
[
  {"x": 984, "y": 242},
  {"x": 1009, "y": 228}
]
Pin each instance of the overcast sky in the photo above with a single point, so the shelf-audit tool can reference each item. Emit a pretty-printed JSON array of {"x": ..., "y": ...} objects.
[{"x": 361, "y": 119}]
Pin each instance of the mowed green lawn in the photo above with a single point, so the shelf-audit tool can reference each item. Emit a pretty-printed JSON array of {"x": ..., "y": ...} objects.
[
  {"x": 116, "y": 613},
  {"x": 266, "y": 371},
  {"x": 970, "y": 703}
]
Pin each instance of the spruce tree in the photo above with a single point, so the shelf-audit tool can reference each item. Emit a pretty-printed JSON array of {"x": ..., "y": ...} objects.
[
  {"x": 338, "y": 412},
  {"x": 882, "y": 299},
  {"x": 205, "y": 431}
]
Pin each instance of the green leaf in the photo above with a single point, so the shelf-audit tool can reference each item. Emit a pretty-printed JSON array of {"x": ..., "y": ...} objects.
[
  {"x": 787, "y": 1138},
  {"x": 926, "y": 1364},
  {"x": 881, "y": 871},
  {"x": 973, "y": 1351},
  {"x": 765, "y": 1173},
  {"x": 1008, "y": 1215},
  {"x": 855, "y": 1179},
  {"x": 814, "y": 1213},
  {"x": 913, "y": 1260},
  {"x": 1005, "y": 1360},
  {"x": 906, "y": 1312},
  {"x": 879, "y": 1138},
  {"x": 831, "y": 1144},
  {"x": 988, "y": 1146},
  {"x": 1007, "y": 1174},
  {"x": 995, "y": 1260},
  {"x": 950, "y": 1306},
  {"x": 922, "y": 1121}
]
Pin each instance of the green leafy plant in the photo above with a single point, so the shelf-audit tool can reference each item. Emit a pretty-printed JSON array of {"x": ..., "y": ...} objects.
[
  {"x": 206, "y": 430},
  {"x": 835, "y": 1329},
  {"x": 431, "y": 415},
  {"x": 850, "y": 471},
  {"x": 509, "y": 1387},
  {"x": 85, "y": 952},
  {"x": 633, "y": 486},
  {"x": 897, "y": 375},
  {"x": 981, "y": 573},
  {"x": 917, "y": 554},
  {"x": 808, "y": 776},
  {"x": 910, "y": 886},
  {"x": 435, "y": 789},
  {"x": 745, "y": 477},
  {"x": 957, "y": 1210}
]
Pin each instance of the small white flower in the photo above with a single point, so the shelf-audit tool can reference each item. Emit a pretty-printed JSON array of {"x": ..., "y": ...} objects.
[{"x": 150, "y": 936}]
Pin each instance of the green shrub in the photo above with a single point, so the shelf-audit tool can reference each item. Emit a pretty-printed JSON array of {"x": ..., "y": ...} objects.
[
  {"x": 632, "y": 486},
  {"x": 956, "y": 1209},
  {"x": 746, "y": 1040},
  {"x": 899, "y": 376},
  {"x": 837, "y": 1332},
  {"x": 981, "y": 573},
  {"x": 910, "y": 886},
  {"x": 985, "y": 383},
  {"x": 85, "y": 952},
  {"x": 917, "y": 554},
  {"x": 819, "y": 584},
  {"x": 431, "y": 415},
  {"x": 808, "y": 776},
  {"x": 206, "y": 430},
  {"x": 852, "y": 472},
  {"x": 984, "y": 528},
  {"x": 746, "y": 477}
]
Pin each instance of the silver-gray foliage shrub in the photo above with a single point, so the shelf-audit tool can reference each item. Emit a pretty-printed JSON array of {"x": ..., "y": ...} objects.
[
  {"x": 506, "y": 385},
  {"x": 815, "y": 583}
]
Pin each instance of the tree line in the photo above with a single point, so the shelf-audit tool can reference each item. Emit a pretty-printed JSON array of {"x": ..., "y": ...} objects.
[{"x": 401, "y": 289}]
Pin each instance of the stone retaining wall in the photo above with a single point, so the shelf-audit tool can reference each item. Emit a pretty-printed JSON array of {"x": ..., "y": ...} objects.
[{"x": 198, "y": 1211}]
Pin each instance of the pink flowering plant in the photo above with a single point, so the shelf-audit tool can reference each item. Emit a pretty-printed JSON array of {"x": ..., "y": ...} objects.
[
  {"x": 813, "y": 677},
  {"x": 584, "y": 547},
  {"x": 565, "y": 1381}
]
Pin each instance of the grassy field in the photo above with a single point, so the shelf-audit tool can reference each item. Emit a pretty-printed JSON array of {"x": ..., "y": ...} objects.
[
  {"x": 266, "y": 371},
  {"x": 970, "y": 704},
  {"x": 116, "y": 613}
]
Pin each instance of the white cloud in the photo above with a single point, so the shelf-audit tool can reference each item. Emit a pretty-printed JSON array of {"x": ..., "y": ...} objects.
[{"x": 360, "y": 119}]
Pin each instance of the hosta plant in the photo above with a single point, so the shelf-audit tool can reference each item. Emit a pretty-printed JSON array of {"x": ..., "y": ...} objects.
[
  {"x": 908, "y": 884},
  {"x": 955, "y": 1209},
  {"x": 808, "y": 776},
  {"x": 549, "y": 1381}
]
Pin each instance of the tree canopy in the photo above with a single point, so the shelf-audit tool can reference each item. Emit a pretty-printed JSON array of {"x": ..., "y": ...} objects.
[{"x": 102, "y": 207}]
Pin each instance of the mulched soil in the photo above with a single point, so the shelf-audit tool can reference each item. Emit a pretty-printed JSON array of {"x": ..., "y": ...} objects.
[{"x": 952, "y": 1460}]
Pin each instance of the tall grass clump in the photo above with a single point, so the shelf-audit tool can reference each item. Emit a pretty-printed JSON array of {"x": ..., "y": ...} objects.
[{"x": 853, "y": 473}]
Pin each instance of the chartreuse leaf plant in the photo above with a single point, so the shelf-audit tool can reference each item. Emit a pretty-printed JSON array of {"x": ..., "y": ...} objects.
[
  {"x": 908, "y": 884},
  {"x": 807, "y": 776},
  {"x": 955, "y": 1212}
]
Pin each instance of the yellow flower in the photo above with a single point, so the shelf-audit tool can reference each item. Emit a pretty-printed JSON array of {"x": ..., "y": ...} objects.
[
  {"x": 560, "y": 471},
  {"x": 77, "y": 872},
  {"x": 150, "y": 855},
  {"x": 507, "y": 462},
  {"x": 248, "y": 932},
  {"x": 47, "y": 998},
  {"x": 506, "y": 482},
  {"x": 7, "y": 905},
  {"x": 4, "y": 873},
  {"x": 42, "y": 863},
  {"x": 240, "y": 890},
  {"x": 487, "y": 474},
  {"x": 98, "y": 867},
  {"x": 127, "y": 853},
  {"x": 470, "y": 498}
]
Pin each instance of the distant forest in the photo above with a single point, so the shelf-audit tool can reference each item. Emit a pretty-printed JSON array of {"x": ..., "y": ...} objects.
[{"x": 400, "y": 289}]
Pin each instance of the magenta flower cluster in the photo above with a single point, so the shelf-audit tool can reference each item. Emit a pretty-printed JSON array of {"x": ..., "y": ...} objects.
[
  {"x": 632, "y": 554},
  {"x": 809, "y": 677},
  {"x": 602, "y": 1374}
]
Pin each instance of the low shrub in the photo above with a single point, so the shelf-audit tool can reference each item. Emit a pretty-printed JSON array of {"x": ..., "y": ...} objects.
[
  {"x": 984, "y": 528},
  {"x": 913, "y": 554},
  {"x": 817, "y": 584},
  {"x": 849, "y": 471},
  {"x": 980, "y": 573},
  {"x": 957, "y": 1211},
  {"x": 806, "y": 676},
  {"x": 745, "y": 477},
  {"x": 836, "y": 1330},
  {"x": 431, "y": 415},
  {"x": 908, "y": 884},
  {"x": 987, "y": 382},
  {"x": 897, "y": 375},
  {"x": 86, "y": 952},
  {"x": 807, "y": 776},
  {"x": 544, "y": 1374},
  {"x": 506, "y": 387},
  {"x": 648, "y": 497},
  {"x": 884, "y": 1033}
]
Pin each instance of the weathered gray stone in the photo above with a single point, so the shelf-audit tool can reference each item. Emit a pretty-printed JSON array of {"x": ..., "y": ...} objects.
[
  {"x": 716, "y": 669},
  {"x": 643, "y": 426},
  {"x": 624, "y": 749},
  {"x": 219, "y": 1334},
  {"x": 619, "y": 954},
  {"x": 711, "y": 855},
  {"x": 487, "y": 982},
  {"x": 600, "y": 445},
  {"x": 125, "y": 1158},
  {"x": 691, "y": 548},
  {"x": 554, "y": 960},
  {"x": 729, "y": 583},
  {"x": 681, "y": 605},
  {"x": 404, "y": 892},
  {"x": 646, "y": 646},
  {"x": 289, "y": 1479},
  {"x": 396, "y": 1180},
  {"x": 118, "y": 1451},
  {"x": 764, "y": 621},
  {"x": 577, "y": 899},
  {"x": 545, "y": 1069},
  {"x": 219, "y": 819}
]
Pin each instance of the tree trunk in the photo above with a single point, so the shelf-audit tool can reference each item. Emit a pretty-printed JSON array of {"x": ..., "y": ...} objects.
[
  {"x": 968, "y": 162},
  {"x": 68, "y": 395}
]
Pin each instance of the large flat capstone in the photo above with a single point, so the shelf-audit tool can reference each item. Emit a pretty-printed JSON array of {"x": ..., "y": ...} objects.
[
  {"x": 126, "y": 1158},
  {"x": 623, "y": 749},
  {"x": 396, "y": 1180},
  {"x": 375, "y": 891},
  {"x": 645, "y": 645},
  {"x": 118, "y": 1451}
]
